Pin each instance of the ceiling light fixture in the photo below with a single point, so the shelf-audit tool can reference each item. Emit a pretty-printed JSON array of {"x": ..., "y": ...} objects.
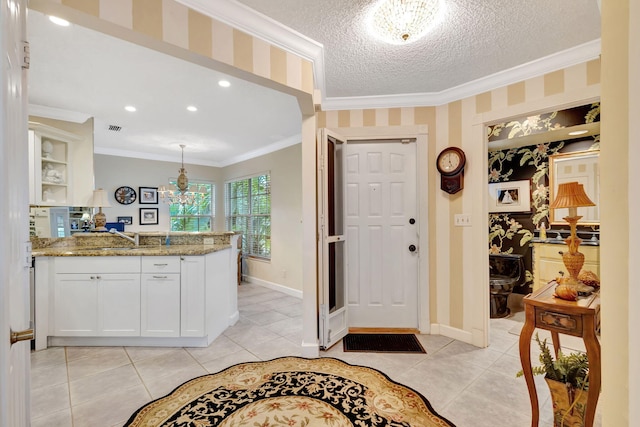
[
  {"x": 130, "y": 108},
  {"x": 224, "y": 83},
  {"x": 403, "y": 21},
  {"x": 59, "y": 21},
  {"x": 182, "y": 192},
  {"x": 192, "y": 108}
]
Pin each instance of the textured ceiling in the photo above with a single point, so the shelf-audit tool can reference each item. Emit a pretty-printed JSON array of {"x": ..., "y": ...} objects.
[
  {"x": 474, "y": 39},
  {"x": 79, "y": 70}
]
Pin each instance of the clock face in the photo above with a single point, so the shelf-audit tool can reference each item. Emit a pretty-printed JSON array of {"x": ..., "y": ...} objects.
[
  {"x": 125, "y": 195},
  {"x": 451, "y": 161}
]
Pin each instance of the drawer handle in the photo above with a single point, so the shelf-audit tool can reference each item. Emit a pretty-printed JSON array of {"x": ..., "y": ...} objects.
[
  {"x": 95, "y": 277},
  {"x": 160, "y": 265},
  {"x": 159, "y": 277}
]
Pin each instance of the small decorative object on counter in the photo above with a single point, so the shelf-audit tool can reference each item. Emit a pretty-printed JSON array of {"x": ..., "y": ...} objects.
[{"x": 543, "y": 231}]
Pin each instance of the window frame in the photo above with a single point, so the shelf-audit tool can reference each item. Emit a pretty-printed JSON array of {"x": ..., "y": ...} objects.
[{"x": 250, "y": 239}]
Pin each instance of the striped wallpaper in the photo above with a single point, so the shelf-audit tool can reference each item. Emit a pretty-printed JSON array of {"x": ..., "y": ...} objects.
[
  {"x": 179, "y": 26},
  {"x": 450, "y": 125},
  {"x": 454, "y": 124}
]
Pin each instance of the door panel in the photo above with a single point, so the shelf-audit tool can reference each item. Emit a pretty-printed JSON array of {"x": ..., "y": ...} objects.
[
  {"x": 15, "y": 252},
  {"x": 381, "y": 199},
  {"x": 332, "y": 252}
]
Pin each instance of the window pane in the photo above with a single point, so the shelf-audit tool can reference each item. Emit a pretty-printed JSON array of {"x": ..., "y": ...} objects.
[{"x": 197, "y": 216}]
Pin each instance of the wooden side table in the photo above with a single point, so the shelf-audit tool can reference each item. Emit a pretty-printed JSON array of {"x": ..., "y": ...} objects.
[{"x": 578, "y": 318}]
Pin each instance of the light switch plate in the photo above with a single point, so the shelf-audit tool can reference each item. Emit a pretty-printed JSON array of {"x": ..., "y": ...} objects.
[{"x": 462, "y": 220}]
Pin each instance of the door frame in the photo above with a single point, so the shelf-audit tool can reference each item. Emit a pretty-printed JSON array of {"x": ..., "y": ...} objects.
[{"x": 420, "y": 133}]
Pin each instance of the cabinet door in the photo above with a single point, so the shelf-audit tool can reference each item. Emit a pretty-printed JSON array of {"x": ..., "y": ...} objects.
[
  {"x": 160, "y": 305},
  {"x": 192, "y": 297},
  {"x": 76, "y": 305},
  {"x": 119, "y": 304}
]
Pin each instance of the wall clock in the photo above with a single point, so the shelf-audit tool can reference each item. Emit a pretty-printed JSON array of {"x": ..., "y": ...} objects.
[
  {"x": 450, "y": 164},
  {"x": 125, "y": 195}
]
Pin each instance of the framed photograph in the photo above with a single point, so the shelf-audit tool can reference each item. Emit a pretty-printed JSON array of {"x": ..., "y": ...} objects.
[
  {"x": 148, "y": 216},
  {"x": 510, "y": 196},
  {"x": 125, "y": 220},
  {"x": 148, "y": 195}
]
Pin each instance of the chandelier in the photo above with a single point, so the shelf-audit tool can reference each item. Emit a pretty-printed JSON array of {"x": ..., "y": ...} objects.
[
  {"x": 403, "y": 21},
  {"x": 181, "y": 193}
]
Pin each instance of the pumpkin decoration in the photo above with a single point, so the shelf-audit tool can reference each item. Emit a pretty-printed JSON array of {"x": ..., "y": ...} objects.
[{"x": 566, "y": 292}]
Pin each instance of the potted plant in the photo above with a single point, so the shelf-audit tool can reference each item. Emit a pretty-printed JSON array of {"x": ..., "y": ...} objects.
[{"x": 568, "y": 379}]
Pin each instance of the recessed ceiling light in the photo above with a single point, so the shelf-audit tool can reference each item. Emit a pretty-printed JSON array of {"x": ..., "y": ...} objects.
[
  {"x": 578, "y": 132},
  {"x": 192, "y": 108},
  {"x": 130, "y": 108},
  {"x": 59, "y": 21},
  {"x": 224, "y": 83}
]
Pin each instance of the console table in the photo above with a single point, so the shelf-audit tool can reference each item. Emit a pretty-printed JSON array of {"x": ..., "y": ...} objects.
[{"x": 578, "y": 318}]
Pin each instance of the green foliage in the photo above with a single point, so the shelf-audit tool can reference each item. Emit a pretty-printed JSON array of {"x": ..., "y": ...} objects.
[{"x": 570, "y": 369}]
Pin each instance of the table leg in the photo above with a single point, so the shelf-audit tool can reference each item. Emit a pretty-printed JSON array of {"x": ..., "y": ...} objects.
[
  {"x": 525, "y": 360},
  {"x": 592, "y": 346},
  {"x": 556, "y": 342}
]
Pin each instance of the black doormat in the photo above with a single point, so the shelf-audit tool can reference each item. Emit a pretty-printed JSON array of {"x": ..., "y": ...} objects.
[{"x": 382, "y": 343}]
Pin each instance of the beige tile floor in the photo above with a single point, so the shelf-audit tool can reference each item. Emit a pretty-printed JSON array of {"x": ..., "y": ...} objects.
[{"x": 103, "y": 386}]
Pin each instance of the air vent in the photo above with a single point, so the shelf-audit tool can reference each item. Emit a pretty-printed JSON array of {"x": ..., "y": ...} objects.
[{"x": 114, "y": 128}]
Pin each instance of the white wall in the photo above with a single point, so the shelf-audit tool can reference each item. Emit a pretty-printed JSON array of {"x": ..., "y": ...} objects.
[
  {"x": 285, "y": 266},
  {"x": 112, "y": 172}
]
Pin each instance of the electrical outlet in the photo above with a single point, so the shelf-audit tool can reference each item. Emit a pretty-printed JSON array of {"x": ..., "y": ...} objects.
[
  {"x": 207, "y": 241},
  {"x": 462, "y": 220}
]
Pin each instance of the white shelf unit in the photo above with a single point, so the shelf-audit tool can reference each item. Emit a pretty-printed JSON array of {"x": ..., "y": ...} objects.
[{"x": 50, "y": 167}]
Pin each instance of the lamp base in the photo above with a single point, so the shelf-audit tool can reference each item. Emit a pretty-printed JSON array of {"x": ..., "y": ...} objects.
[{"x": 100, "y": 220}]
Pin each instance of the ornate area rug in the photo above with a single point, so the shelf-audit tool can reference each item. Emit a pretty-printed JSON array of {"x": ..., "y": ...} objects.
[{"x": 290, "y": 391}]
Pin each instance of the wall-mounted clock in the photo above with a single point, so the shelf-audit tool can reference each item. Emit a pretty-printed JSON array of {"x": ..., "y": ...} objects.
[
  {"x": 450, "y": 164},
  {"x": 125, "y": 195}
]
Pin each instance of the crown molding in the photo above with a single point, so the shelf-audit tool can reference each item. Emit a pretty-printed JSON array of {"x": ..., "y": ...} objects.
[
  {"x": 57, "y": 113},
  {"x": 254, "y": 23},
  {"x": 292, "y": 140},
  {"x": 557, "y": 61}
]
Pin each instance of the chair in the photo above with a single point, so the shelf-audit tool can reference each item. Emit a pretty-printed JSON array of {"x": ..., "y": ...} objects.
[{"x": 505, "y": 271}]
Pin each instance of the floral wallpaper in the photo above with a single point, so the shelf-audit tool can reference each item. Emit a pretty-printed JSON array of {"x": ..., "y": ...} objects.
[{"x": 512, "y": 232}]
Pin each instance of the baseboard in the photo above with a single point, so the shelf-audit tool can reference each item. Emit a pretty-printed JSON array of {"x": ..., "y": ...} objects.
[
  {"x": 455, "y": 333},
  {"x": 127, "y": 341},
  {"x": 234, "y": 318},
  {"x": 274, "y": 286},
  {"x": 310, "y": 350}
]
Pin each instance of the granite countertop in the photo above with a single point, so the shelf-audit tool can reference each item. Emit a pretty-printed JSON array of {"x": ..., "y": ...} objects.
[{"x": 130, "y": 250}]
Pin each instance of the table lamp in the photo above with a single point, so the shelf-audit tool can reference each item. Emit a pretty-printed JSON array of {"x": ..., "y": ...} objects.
[
  {"x": 100, "y": 200},
  {"x": 571, "y": 195}
]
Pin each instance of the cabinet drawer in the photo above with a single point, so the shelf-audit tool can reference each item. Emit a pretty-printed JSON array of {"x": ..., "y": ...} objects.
[
  {"x": 570, "y": 324},
  {"x": 99, "y": 264},
  {"x": 160, "y": 264}
]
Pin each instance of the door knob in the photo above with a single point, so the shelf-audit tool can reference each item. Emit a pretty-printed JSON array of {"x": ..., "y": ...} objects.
[
  {"x": 412, "y": 248},
  {"x": 26, "y": 335},
  {"x": 412, "y": 221}
]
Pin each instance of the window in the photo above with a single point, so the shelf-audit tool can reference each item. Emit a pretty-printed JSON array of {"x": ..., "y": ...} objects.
[
  {"x": 196, "y": 217},
  {"x": 248, "y": 210}
]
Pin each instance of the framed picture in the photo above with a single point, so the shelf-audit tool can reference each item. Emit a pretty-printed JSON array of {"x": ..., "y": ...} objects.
[
  {"x": 148, "y": 216},
  {"x": 125, "y": 219},
  {"x": 148, "y": 195},
  {"x": 510, "y": 196}
]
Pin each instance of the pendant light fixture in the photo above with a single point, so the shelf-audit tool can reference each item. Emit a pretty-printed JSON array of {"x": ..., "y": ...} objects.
[{"x": 181, "y": 193}]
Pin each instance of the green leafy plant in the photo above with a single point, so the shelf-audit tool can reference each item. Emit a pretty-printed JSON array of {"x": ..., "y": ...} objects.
[{"x": 570, "y": 368}]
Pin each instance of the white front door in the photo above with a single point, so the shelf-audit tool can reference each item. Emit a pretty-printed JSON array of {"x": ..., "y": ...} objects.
[
  {"x": 15, "y": 253},
  {"x": 333, "y": 322},
  {"x": 382, "y": 231}
]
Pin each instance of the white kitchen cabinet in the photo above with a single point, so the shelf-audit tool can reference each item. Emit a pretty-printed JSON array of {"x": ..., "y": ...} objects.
[
  {"x": 97, "y": 296},
  {"x": 160, "y": 297},
  {"x": 192, "y": 296},
  {"x": 60, "y": 167}
]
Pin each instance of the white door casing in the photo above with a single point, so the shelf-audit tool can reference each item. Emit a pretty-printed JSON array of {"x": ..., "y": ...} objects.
[
  {"x": 332, "y": 252},
  {"x": 382, "y": 231},
  {"x": 15, "y": 250}
]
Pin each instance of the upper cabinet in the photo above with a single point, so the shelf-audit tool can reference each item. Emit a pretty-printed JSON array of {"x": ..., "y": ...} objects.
[{"x": 60, "y": 166}]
